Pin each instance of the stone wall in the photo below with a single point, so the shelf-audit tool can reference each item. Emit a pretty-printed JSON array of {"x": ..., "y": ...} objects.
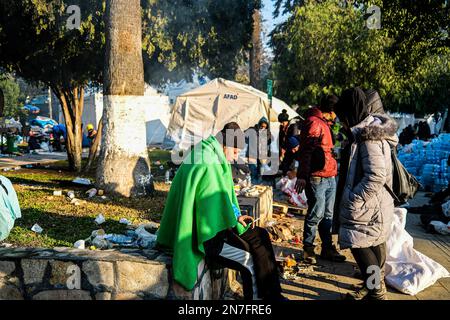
[{"x": 128, "y": 274}]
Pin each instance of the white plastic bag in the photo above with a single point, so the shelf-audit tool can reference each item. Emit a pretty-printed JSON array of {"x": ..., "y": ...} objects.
[
  {"x": 441, "y": 227},
  {"x": 446, "y": 208},
  {"x": 408, "y": 270},
  {"x": 288, "y": 186}
]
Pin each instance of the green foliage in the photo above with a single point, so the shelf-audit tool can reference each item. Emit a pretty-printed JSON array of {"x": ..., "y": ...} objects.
[
  {"x": 36, "y": 44},
  {"x": 325, "y": 47},
  {"x": 208, "y": 36},
  {"x": 179, "y": 37},
  {"x": 11, "y": 93}
]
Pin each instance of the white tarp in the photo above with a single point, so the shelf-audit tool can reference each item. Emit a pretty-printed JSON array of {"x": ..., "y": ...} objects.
[
  {"x": 205, "y": 110},
  {"x": 408, "y": 270},
  {"x": 157, "y": 114},
  {"x": 403, "y": 120}
]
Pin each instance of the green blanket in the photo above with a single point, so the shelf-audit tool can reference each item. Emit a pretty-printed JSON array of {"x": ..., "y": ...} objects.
[{"x": 199, "y": 205}]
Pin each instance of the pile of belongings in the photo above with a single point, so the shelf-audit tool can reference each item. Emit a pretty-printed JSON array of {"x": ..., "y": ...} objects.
[
  {"x": 279, "y": 232},
  {"x": 144, "y": 237},
  {"x": 291, "y": 269},
  {"x": 287, "y": 185},
  {"x": 32, "y": 109},
  {"x": 435, "y": 216},
  {"x": 408, "y": 270},
  {"x": 10, "y": 123},
  {"x": 43, "y": 122}
]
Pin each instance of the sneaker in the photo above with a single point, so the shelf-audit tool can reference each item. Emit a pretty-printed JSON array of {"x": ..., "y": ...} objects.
[
  {"x": 309, "y": 256},
  {"x": 332, "y": 254},
  {"x": 360, "y": 294}
]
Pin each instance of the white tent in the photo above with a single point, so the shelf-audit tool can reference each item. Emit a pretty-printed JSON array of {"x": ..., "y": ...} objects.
[{"x": 205, "y": 110}]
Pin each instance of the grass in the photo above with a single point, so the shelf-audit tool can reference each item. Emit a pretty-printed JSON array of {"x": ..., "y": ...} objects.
[{"x": 63, "y": 222}]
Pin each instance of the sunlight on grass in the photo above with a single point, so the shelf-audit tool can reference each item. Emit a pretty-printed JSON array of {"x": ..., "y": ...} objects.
[{"x": 63, "y": 222}]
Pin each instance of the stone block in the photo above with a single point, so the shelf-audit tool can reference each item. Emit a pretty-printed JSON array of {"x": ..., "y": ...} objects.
[
  {"x": 63, "y": 295},
  {"x": 9, "y": 292},
  {"x": 61, "y": 271},
  {"x": 99, "y": 273},
  {"x": 150, "y": 278},
  {"x": 33, "y": 270},
  {"x": 6, "y": 268}
]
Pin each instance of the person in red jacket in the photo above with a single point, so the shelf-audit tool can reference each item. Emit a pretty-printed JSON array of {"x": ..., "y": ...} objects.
[{"x": 317, "y": 175}]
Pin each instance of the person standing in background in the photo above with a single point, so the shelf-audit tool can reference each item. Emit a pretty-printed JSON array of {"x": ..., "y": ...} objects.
[{"x": 317, "y": 176}]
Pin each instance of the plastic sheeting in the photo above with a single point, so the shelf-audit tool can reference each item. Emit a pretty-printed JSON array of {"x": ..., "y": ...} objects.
[
  {"x": 408, "y": 270},
  {"x": 9, "y": 208}
]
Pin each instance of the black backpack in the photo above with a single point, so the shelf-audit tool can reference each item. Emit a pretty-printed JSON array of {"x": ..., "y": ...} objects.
[{"x": 404, "y": 184}]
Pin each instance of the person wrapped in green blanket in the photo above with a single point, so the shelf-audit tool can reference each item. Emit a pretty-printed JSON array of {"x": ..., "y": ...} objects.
[
  {"x": 9, "y": 207},
  {"x": 202, "y": 220}
]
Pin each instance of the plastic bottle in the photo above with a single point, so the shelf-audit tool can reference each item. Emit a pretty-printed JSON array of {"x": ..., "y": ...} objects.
[
  {"x": 167, "y": 177},
  {"x": 249, "y": 180}
]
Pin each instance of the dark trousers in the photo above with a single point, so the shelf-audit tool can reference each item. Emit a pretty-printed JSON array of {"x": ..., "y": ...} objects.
[
  {"x": 372, "y": 256},
  {"x": 252, "y": 255}
]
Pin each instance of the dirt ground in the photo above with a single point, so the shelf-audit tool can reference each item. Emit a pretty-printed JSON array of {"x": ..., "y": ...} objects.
[{"x": 331, "y": 281}]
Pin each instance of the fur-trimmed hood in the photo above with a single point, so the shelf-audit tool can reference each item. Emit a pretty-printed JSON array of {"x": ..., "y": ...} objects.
[{"x": 377, "y": 127}]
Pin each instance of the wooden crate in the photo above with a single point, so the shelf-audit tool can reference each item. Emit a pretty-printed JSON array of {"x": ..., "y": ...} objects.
[{"x": 288, "y": 208}]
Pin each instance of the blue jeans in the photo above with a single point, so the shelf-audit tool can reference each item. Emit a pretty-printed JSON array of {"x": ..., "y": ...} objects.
[
  {"x": 254, "y": 172},
  {"x": 321, "y": 194}
]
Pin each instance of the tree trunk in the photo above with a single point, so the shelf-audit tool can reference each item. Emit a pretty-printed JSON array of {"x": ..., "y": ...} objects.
[
  {"x": 72, "y": 103},
  {"x": 124, "y": 166},
  {"x": 2, "y": 103},
  {"x": 256, "y": 52},
  {"x": 94, "y": 148}
]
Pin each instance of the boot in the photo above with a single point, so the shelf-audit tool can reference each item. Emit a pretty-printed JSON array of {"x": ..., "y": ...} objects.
[
  {"x": 379, "y": 294},
  {"x": 309, "y": 256},
  {"x": 360, "y": 294},
  {"x": 331, "y": 254}
]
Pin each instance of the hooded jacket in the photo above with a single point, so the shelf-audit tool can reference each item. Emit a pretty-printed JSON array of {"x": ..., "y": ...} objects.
[
  {"x": 366, "y": 207},
  {"x": 316, "y": 134}
]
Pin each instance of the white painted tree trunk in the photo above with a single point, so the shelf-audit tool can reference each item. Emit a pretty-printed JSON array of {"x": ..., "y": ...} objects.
[{"x": 124, "y": 166}]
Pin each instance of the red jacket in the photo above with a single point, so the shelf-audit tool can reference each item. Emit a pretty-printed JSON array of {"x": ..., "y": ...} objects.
[{"x": 316, "y": 134}]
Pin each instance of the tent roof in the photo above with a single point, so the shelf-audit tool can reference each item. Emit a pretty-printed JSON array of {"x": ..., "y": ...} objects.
[{"x": 212, "y": 88}]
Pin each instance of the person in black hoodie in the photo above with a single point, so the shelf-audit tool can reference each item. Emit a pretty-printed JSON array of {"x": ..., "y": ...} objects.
[{"x": 370, "y": 102}]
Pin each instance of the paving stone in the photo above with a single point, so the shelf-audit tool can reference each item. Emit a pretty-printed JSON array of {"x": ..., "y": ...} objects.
[
  {"x": 180, "y": 293},
  {"x": 127, "y": 296},
  {"x": 9, "y": 292},
  {"x": 6, "y": 268},
  {"x": 63, "y": 295},
  {"x": 151, "y": 278},
  {"x": 103, "y": 296},
  {"x": 435, "y": 292},
  {"x": 99, "y": 273},
  {"x": 33, "y": 270}
]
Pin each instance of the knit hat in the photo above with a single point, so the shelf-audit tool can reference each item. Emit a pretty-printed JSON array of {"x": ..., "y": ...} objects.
[
  {"x": 283, "y": 116},
  {"x": 292, "y": 143}
]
